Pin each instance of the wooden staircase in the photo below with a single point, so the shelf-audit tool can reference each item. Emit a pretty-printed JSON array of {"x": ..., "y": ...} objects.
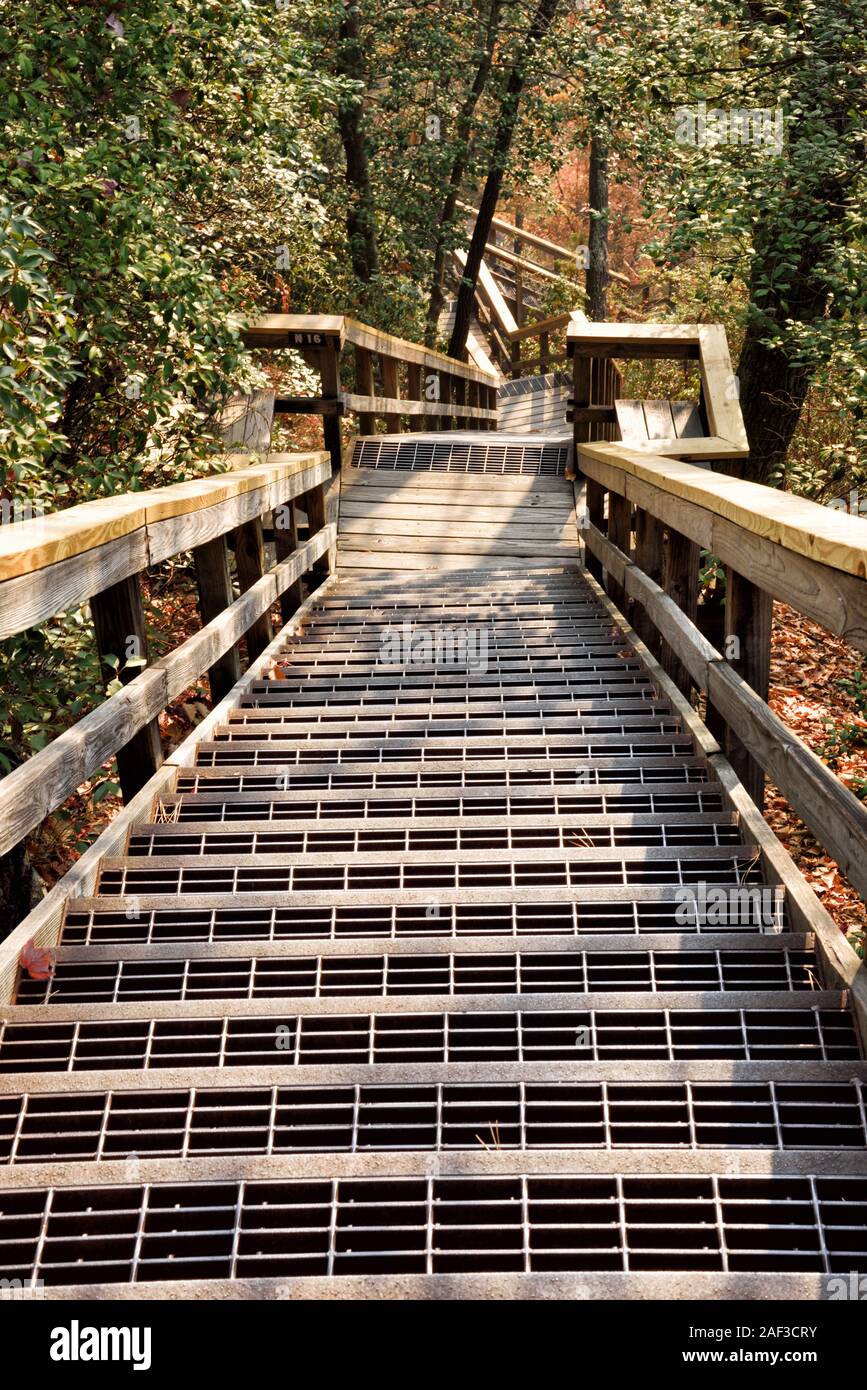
[
  {"x": 448, "y": 957},
  {"x": 396, "y": 984}
]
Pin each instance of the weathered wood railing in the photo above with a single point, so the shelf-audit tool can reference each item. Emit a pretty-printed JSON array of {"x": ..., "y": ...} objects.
[
  {"x": 402, "y": 383},
  {"x": 594, "y": 348},
  {"x": 524, "y": 262},
  {"x": 548, "y": 337},
  {"x": 645, "y": 544},
  {"x": 97, "y": 553}
]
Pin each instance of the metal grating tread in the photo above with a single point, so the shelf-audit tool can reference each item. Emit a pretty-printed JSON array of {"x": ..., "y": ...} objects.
[
  {"x": 524, "y": 385},
  {"x": 518, "y": 773},
  {"x": 428, "y": 802},
  {"x": 650, "y": 911},
  {"x": 470, "y": 876},
  {"x": 234, "y": 1230},
  {"x": 388, "y": 871},
  {"x": 488, "y": 1037},
  {"x": 460, "y": 455},
  {"x": 172, "y": 841},
  {"x": 124, "y": 1125},
  {"x": 449, "y": 973}
]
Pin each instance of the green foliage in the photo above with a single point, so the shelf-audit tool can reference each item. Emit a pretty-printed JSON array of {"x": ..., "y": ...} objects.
[
  {"x": 50, "y": 677},
  {"x": 143, "y": 141},
  {"x": 37, "y": 341},
  {"x": 154, "y": 159},
  {"x": 855, "y": 687}
]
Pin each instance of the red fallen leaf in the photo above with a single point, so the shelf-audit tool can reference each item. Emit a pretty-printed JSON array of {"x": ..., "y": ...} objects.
[{"x": 38, "y": 961}]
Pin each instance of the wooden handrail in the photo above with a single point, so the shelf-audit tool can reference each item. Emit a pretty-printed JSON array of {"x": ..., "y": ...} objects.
[
  {"x": 459, "y": 391},
  {"x": 97, "y": 552},
  {"x": 773, "y": 546},
  {"x": 833, "y": 538},
  {"x": 498, "y": 253},
  {"x": 58, "y": 561},
  {"x": 317, "y": 331},
  {"x": 552, "y": 324},
  {"x": 558, "y": 253},
  {"x": 593, "y": 348}
]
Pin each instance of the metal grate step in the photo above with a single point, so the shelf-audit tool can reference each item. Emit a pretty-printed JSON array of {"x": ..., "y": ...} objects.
[
  {"x": 583, "y": 748},
  {"x": 574, "y": 773},
  {"x": 427, "y": 803},
  {"x": 114, "y": 1126},
  {"x": 386, "y": 871},
  {"x": 334, "y": 731},
  {"x": 456, "y": 455},
  {"x": 175, "y": 841},
  {"x": 565, "y": 1035},
  {"x": 330, "y": 977},
  {"x": 647, "y": 911},
  {"x": 233, "y": 1230},
  {"x": 525, "y": 385}
]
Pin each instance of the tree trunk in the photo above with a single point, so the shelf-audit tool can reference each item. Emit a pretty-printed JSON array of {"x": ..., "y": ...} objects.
[
  {"x": 505, "y": 130},
  {"x": 772, "y": 387},
  {"x": 772, "y": 395},
  {"x": 597, "y": 270},
  {"x": 772, "y": 379},
  {"x": 458, "y": 170},
  {"x": 360, "y": 222}
]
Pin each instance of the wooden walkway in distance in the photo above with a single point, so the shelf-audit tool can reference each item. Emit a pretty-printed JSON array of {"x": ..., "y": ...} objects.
[{"x": 399, "y": 980}]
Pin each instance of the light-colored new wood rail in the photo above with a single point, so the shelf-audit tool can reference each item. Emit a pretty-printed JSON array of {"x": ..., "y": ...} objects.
[
  {"x": 58, "y": 561},
  {"x": 772, "y": 544},
  {"x": 834, "y": 539},
  {"x": 835, "y": 816},
  {"x": 591, "y": 345},
  {"x": 84, "y": 554},
  {"x": 540, "y": 243}
]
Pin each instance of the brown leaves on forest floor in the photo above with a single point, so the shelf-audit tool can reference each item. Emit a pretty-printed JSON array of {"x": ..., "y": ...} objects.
[{"x": 807, "y": 663}]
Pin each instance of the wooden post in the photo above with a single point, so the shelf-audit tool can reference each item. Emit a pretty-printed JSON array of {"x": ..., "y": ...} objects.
[
  {"x": 515, "y": 359},
  {"x": 250, "y": 565},
  {"x": 473, "y": 402},
  {"x": 414, "y": 391},
  {"x": 620, "y": 534},
  {"x": 364, "y": 387},
  {"x": 595, "y": 496},
  {"x": 119, "y": 624},
  {"x": 390, "y": 387},
  {"x": 680, "y": 581},
  {"x": 216, "y": 593},
  {"x": 543, "y": 353},
  {"x": 597, "y": 366},
  {"x": 313, "y": 503},
  {"x": 649, "y": 558},
  {"x": 445, "y": 421},
  {"x": 459, "y": 396},
  {"x": 285, "y": 545},
  {"x": 581, "y": 394},
  {"x": 519, "y": 275},
  {"x": 748, "y": 618},
  {"x": 329, "y": 376},
  {"x": 491, "y": 404}
]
